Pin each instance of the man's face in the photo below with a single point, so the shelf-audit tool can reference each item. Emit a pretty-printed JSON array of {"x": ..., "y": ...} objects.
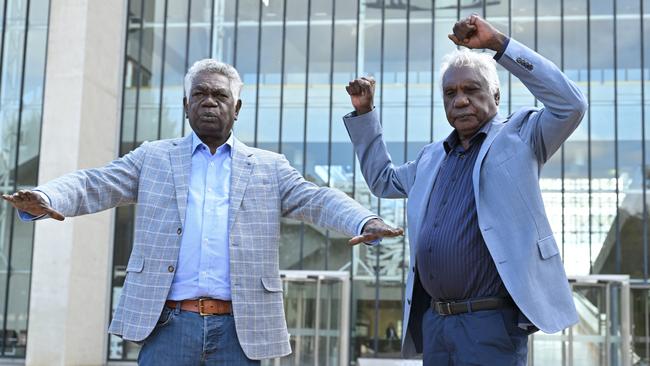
[
  {"x": 468, "y": 101},
  {"x": 211, "y": 107}
]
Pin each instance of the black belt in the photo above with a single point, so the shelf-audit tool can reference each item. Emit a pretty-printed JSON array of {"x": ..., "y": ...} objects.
[{"x": 468, "y": 306}]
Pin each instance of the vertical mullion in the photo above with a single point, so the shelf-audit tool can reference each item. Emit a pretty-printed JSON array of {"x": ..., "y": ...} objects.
[
  {"x": 126, "y": 50},
  {"x": 121, "y": 149},
  {"x": 354, "y": 176},
  {"x": 329, "y": 135},
  {"x": 16, "y": 168},
  {"x": 616, "y": 219},
  {"x": 589, "y": 162},
  {"x": 211, "y": 27},
  {"x": 535, "y": 31},
  {"x": 257, "y": 76},
  {"x": 304, "y": 131},
  {"x": 162, "y": 68},
  {"x": 2, "y": 43},
  {"x": 381, "y": 119},
  {"x": 562, "y": 161},
  {"x": 138, "y": 76},
  {"x": 234, "y": 53},
  {"x": 643, "y": 150},
  {"x": 282, "y": 68},
  {"x": 406, "y": 128},
  {"x": 509, "y": 74},
  {"x": 433, "y": 68},
  {"x": 40, "y": 137},
  {"x": 187, "y": 56}
]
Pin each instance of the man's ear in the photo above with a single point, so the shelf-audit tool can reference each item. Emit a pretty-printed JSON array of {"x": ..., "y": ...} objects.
[
  {"x": 237, "y": 108},
  {"x": 187, "y": 116},
  {"x": 497, "y": 97}
]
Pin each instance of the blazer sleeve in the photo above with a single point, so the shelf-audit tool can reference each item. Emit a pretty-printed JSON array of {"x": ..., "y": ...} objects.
[
  {"x": 321, "y": 206},
  {"x": 93, "y": 190},
  {"x": 384, "y": 179},
  {"x": 564, "y": 104}
]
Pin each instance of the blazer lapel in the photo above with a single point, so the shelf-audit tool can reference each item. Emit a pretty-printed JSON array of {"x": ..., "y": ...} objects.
[
  {"x": 430, "y": 170},
  {"x": 497, "y": 124},
  {"x": 240, "y": 173},
  {"x": 180, "y": 157}
]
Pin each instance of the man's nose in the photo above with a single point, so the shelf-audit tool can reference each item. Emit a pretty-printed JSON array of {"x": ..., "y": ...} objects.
[
  {"x": 209, "y": 102},
  {"x": 461, "y": 100}
]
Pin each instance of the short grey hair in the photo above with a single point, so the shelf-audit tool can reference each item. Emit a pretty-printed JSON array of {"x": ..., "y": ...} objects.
[
  {"x": 213, "y": 66},
  {"x": 483, "y": 62}
]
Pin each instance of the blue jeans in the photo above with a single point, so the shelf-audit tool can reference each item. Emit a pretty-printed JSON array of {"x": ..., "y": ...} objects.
[
  {"x": 184, "y": 338},
  {"x": 487, "y": 337}
]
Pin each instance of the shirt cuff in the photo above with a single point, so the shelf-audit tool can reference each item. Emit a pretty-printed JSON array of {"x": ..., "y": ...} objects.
[
  {"x": 354, "y": 114},
  {"x": 498, "y": 55},
  {"x": 360, "y": 229},
  {"x": 24, "y": 216}
]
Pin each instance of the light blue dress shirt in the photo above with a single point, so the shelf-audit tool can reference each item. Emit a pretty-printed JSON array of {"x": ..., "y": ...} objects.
[{"x": 203, "y": 268}]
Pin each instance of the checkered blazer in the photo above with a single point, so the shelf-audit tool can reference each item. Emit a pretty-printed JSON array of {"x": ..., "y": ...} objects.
[{"x": 264, "y": 187}]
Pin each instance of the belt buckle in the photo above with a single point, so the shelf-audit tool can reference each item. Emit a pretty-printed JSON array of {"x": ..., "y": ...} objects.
[
  {"x": 201, "y": 308},
  {"x": 449, "y": 312}
]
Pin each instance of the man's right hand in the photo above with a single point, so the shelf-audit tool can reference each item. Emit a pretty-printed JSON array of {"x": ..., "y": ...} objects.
[
  {"x": 362, "y": 92},
  {"x": 32, "y": 203}
]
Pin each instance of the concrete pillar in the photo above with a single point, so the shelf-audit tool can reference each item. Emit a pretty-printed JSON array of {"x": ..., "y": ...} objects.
[{"x": 70, "y": 288}]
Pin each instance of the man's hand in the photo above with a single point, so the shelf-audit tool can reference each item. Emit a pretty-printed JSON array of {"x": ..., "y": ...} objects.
[
  {"x": 362, "y": 92},
  {"x": 375, "y": 229},
  {"x": 476, "y": 32},
  {"x": 32, "y": 203}
]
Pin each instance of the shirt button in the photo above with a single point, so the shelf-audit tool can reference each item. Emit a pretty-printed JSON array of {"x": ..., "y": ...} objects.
[
  {"x": 170, "y": 268},
  {"x": 179, "y": 231}
]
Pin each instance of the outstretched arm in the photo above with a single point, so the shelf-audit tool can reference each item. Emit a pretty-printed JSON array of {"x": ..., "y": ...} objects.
[
  {"x": 84, "y": 191},
  {"x": 327, "y": 207}
]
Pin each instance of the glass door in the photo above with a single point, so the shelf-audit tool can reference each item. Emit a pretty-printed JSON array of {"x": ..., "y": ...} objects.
[{"x": 316, "y": 305}]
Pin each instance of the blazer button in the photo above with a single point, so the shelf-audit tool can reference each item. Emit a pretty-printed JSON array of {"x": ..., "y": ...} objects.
[
  {"x": 409, "y": 301},
  {"x": 170, "y": 268},
  {"x": 413, "y": 268},
  {"x": 179, "y": 231}
]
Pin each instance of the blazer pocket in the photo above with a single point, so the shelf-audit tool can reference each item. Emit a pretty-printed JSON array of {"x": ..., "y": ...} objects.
[
  {"x": 547, "y": 247},
  {"x": 136, "y": 264},
  {"x": 272, "y": 284}
]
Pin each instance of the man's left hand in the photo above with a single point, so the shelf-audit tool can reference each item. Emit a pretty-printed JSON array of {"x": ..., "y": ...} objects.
[
  {"x": 375, "y": 229},
  {"x": 476, "y": 32}
]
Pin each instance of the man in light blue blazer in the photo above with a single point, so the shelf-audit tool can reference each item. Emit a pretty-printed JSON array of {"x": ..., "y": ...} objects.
[
  {"x": 485, "y": 269},
  {"x": 202, "y": 283}
]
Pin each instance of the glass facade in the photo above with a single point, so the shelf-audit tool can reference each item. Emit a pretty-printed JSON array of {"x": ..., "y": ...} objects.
[
  {"x": 23, "y": 46},
  {"x": 295, "y": 58}
]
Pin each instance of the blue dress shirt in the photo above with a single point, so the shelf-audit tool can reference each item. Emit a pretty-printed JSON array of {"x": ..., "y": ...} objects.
[{"x": 203, "y": 268}]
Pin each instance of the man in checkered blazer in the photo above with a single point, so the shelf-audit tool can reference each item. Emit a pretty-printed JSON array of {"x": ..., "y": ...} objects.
[{"x": 202, "y": 283}]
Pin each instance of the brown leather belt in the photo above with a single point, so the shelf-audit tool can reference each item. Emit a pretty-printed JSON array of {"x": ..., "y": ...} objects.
[
  {"x": 203, "y": 306},
  {"x": 468, "y": 306}
]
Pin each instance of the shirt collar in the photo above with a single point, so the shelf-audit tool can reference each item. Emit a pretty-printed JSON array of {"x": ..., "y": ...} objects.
[
  {"x": 452, "y": 140},
  {"x": 196, "y": 143}
]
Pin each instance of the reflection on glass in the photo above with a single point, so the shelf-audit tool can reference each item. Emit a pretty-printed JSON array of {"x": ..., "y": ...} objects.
[{"x": 22, "y": 69}]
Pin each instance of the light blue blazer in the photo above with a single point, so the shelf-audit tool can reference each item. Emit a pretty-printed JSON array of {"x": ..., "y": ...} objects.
[{"x": 509, "y": 203}]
